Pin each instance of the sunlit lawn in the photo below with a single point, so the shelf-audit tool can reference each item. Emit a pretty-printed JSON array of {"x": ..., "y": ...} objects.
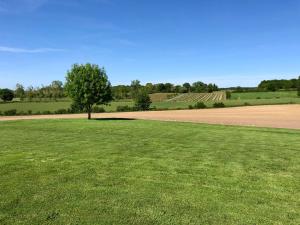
[{"x": 142, "y": 172}]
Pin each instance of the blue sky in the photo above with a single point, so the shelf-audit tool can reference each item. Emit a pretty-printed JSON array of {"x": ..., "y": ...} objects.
[{"x": 228, "y": 42}]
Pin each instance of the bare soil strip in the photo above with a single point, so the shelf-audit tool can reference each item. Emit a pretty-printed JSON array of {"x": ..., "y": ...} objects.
[{"x": 275, "y": 116}]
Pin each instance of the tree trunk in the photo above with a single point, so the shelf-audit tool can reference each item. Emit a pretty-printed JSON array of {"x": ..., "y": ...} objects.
[{"x": 89, "y": 114}]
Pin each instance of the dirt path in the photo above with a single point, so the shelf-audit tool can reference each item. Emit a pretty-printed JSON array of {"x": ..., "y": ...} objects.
[{"x": 277, "y": 116}]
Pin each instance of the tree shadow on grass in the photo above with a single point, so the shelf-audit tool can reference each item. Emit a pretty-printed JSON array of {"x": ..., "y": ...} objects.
[{"x": 112, "y": 119}]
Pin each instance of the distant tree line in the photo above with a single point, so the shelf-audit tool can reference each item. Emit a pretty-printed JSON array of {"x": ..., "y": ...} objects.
[
  {"x": 275, "y": 85},
  {"x": 53, "y": 91},
  {"x": 268, "y": 85},
  {"x": 57, "y": 90},
  {"x": 127, "y": 91},
  {"x": 240, "y": 89}
]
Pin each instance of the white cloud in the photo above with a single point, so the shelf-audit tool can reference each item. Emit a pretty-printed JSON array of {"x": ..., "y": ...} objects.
[
  {"x": 23, "y": 50},
  {"x": 21, "y": 6},
  {"x": 16, "y": 6}
]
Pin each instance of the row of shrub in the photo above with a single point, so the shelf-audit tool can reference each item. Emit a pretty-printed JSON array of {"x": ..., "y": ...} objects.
[
  {"x": 277, "y": 97},
  {"x": 72, "y": 110},
  {"x": 201, "y": 105},
  {"x": 96, "y": 109},
  {"x": 14, "y": 112},
  {"x": 198, "y": 105},
  {"x": 126, "y": 108}
]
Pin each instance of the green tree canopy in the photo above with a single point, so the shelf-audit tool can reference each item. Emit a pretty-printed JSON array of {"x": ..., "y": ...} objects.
[
  {"x": 6, "y": 95},
  {"x": 135, "y": 87},
  {"x": 187, "y": 87},
  {"x": 212, "y": 87},
  {"x": 88, "y": 85},
  {"x": 56, "y": 88},
  {"x": 199, "y": 87},
  {"x": 274, "y": 85},
  {"x": 20, "y": 91},
  {"x": 142, "y": 100}
]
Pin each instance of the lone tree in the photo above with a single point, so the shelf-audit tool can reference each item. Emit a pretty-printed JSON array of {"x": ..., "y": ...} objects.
[
  {"x": 88, "y": 85},
  {"x": 142, "y": 100},
  {"x": 6, "y": 95}
]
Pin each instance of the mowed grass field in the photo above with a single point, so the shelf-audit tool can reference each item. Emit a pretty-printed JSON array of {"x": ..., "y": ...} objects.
[
  {"x": 147, "y": 172},
  {"x": 264, "y": 95}
]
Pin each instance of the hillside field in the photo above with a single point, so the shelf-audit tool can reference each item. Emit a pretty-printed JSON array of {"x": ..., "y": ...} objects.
[
  {"x": 199, "y": 97},
  {"x": 161, "y": 97},
  {"x": 143, "y": 172}
]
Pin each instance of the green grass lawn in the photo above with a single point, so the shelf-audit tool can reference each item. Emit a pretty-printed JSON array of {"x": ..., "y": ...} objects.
[
  {"x": 264, "y": 95},
  {"x": 147, "y": 172},
  {"x": 34, "y": 106}
]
